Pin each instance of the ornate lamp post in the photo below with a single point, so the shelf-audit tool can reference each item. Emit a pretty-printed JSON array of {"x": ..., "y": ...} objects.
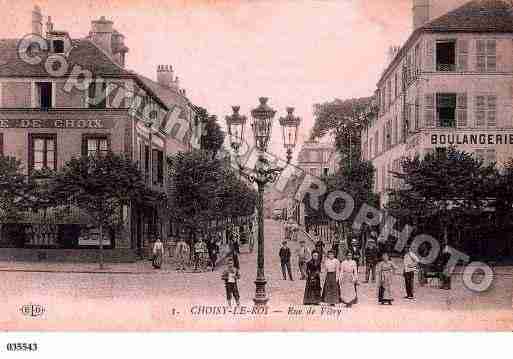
[
  {"x": 263, "y": 173},
  {"x": 290, "y": 124},
  {"x": 235, "y": 124}
]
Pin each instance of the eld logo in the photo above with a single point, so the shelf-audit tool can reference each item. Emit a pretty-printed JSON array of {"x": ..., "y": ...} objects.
[{"x": 32, "y": 310}]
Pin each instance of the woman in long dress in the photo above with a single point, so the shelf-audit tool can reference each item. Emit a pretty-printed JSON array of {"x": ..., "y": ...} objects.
[
  {"x": 313, "y": 281},
  {"x": 385, "y": 271},
  {"x": 158, "y": 252},
  {"x": 348, "y": 280},
  {"x": 331, "y": 290}
]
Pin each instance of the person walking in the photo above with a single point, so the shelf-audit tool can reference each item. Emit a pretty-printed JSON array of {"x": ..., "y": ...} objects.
[
  {"x": 303, "y": 255},
  {"x": 181, "y": 254},
  {"x": 371, "y": 259},
  {"x": 199, "y": 251},
  {"x": 213, "y": 250},
  {"x": 285, "y": 261},
  {"x": 410, "y": 261},
  {"x": 230, "y": 276},
  {"x": 385, "y": 271},
  {"x": 445, "y": 273},
  {"x": 331, "y": 289},
  {"x": 313, "y": 281},
  {"x": 158, "y": 253},
  {"x": 348, "y": 280}
]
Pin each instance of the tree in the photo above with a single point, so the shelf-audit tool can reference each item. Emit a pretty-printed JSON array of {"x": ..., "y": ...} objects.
[
  {"x": 448, "y": 187},
  {"x": 344, "y": 118},
  {"x": 99, "y": 185},
  {"x": 212, "y": 137},
  {"x": 14, "y": 190}
]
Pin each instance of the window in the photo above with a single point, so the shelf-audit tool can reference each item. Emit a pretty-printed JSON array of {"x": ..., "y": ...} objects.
[
  {"x": 376, "y": 143},
  {"x": 42, "y": 151},
  {"x": 396, "y": 88},
  {"x": 326, "y": 171},
  {"x": 97, "y": 95},
  {"x": 58, "y": 46},
  {"x": 370, "y": 148},
  {"x": 417, "y": 114},
  {"x": 486, "y": 107},
  {"x": 158, "y": 167},
  {"x": 44, "y": 92},
  {"x": 446, "y": 55},
  {"x": 95, "y": 145},
  {"x": 446, "y": 109},
  {"x": 1, "y": 144},
  {"x": 486, "y": 60},
  {"x": 388, "y": 135},
  {"x": 395, "y": 131},
  {"x": 146, "y": 159}
]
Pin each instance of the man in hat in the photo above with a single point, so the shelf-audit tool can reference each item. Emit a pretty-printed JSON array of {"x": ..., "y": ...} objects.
[
  {"x": 410, "y": 261},
  {"x": 303, "y": 256},
  {"x": 285, "y": 261}
]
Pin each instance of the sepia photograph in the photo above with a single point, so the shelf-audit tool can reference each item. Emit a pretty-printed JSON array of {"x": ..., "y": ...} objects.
[{"x": 255, "y": 166}]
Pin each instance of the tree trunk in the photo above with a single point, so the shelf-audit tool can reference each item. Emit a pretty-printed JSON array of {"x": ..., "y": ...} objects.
[{"x": 101, "y": 246}]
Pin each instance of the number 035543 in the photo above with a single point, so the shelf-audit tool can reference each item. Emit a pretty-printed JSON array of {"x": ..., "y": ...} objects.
[{"x": 22, "y": 347}]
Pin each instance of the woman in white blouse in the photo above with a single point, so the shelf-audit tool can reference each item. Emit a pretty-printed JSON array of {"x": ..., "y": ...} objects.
[
  {"x": 348, "y": 280},
  {"x": 331, "y": 290}
]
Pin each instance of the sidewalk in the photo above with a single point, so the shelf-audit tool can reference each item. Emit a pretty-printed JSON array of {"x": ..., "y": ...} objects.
[{"x": 139, "y": 267}]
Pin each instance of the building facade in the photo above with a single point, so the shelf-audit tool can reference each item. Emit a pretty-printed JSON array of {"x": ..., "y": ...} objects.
[
  {"x": 62, "y": 98},
  {"x": 451, "y": 84},
  {"x": 317, "y": 159}
]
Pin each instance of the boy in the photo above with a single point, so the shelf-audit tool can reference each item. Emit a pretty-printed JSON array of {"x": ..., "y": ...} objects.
[{"x": 230, "y": 277}]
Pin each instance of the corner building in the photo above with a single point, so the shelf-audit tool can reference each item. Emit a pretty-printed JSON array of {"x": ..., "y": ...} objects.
[
  {"x": 451, "y": 84},
  {"x": 45, "y": 120}
]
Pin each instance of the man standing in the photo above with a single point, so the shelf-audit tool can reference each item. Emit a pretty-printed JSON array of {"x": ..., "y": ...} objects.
[
  {"x": 410, "y": 265},
  {"x": 181, "y": 254},
  {"x": 230, "y": 277},
  {"x": 285, "y": 261},
  {"x": 303, "y": 256},
  {"x": 371, "y": 259}
]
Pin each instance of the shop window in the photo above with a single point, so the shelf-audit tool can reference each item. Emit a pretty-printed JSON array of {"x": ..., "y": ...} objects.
[
  {"x": 446, "y": 55},
  {"x": 42, "y": 151}
]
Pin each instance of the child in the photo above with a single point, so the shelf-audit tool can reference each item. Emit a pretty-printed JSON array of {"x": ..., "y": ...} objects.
[{"x": 230, "y": 277}]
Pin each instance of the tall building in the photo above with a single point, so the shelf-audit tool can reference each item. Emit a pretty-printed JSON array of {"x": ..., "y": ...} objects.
[
  {"x": 451, "y": 84},
  {"x": 61, "y": 98}
]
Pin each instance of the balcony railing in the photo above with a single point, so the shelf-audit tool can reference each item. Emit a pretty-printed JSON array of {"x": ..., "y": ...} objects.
[{"x": 446, "y": 67}]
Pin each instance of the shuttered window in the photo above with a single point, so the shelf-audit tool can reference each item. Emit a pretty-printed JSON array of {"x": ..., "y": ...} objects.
[
  {"x": 429, "y": 110},
  {"x": 486, "y": 55},
  {"x": 486, "y": 111},
  {"x": 461, "y": 110},
  {"x": 430, "y": 54},
  {"x": 462, "y": 48}
]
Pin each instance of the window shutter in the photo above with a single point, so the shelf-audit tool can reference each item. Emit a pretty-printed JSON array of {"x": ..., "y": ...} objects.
[
  {"x": 84, "y": 145},
  {"x": 429, "y": 110},
  {"x": 1, "y": 144},
  {"x": 480, "y": 111},
  {"x": 461, "y": 110},
  {"x": 462, "y": 55},
  {"x": 430, "y": 54},
  {"x": 492, "y": 106},
  {"x": 491, "y": 55},
  {"x": 481, "y": 55}
]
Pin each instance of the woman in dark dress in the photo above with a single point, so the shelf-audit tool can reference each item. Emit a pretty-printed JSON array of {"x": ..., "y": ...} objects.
[
  {"x": 313, "y": 281},
  {"x": 331, "y": 289}
]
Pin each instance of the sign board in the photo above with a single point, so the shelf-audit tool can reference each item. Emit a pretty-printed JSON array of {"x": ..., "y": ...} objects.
[{"x": 58, "y": 123}]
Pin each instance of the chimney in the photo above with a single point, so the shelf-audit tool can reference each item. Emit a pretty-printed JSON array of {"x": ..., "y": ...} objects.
[
  {"x": 165, "y": 75},
  {"x": 421, "y": 9},
  {"x": 101, "y": 34},
  {"x": 119, "y": 49},
  {"x": 37, "y": 21}
]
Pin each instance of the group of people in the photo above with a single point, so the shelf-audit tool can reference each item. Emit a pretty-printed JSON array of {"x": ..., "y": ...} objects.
[
  {"x": 339, "y": 273},
  {"x": 204, "y": 252}
]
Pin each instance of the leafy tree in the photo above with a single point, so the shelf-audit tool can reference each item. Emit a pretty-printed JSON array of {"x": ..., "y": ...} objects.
[
  {"x": 14, "y": 190},
  {"x": 99, "y": 186},
  {"x": 448, "y": 187},
  {"x": 212, "y": 137}
]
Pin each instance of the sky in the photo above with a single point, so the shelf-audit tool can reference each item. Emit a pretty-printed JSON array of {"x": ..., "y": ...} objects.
[{"x": 231, "y": 52}]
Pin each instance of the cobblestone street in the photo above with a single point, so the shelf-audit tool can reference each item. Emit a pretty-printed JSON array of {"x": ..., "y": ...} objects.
[{"x": 136, "y": 297}]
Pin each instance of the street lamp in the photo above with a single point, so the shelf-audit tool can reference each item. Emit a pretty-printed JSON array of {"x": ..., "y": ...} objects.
[
  {"x": 289, "y": 124},
  {"x": 262, "y": 174},
  {"x": 235, "y": 124}
]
